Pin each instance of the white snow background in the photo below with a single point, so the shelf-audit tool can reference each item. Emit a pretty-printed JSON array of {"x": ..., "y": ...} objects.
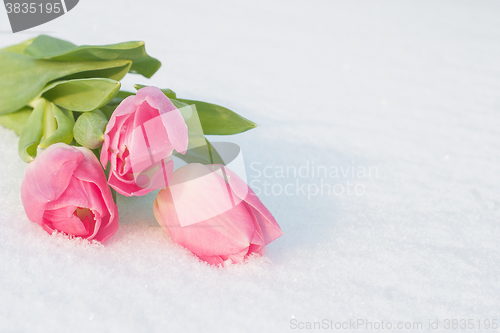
[{"x": 409, "y": 88}]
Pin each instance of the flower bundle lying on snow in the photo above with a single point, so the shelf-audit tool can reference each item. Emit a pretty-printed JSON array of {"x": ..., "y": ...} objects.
[{"x": 86, "y": 140}]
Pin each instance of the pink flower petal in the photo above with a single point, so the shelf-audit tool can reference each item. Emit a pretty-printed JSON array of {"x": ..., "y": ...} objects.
[
  {"x": 270, "y": 228},
  {"x": 227, "y": 233},
  {"x": 116, "y": 122},
  {"x": 47, "y": 177},
  {"x": 65, "y": 189},
  {"x": 155, "y": 98},
  {"x": 177, "y": 130}
]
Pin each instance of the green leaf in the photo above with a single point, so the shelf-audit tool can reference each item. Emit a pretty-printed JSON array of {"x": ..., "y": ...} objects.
[
  {"x": 169, "y": 92},
  {"x": 64, "y": 126},
  {"x": 16, "y": 121},
  {"x": 218, "y": 120},
  {"x": 18, "y": 48},
  {"x": 89, "y": 129},
  {"x": 23, "y": 78},
  {"x": 46, "y": 47},
  {"x": 82, "y": 94},
  {"x": 32, "y": 133},
  {"x": 115, "y": 73}
]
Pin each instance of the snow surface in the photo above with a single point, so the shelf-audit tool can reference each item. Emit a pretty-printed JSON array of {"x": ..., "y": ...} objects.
[{"x": 410, "y": 89}]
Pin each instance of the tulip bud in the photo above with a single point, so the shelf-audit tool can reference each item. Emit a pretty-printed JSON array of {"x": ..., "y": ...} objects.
[
  {"x": 89, "y": 129},
  {"x": 142, "y": 134},
  {"x": 65, "y": 189},
  {"x": 212, "y": 212}
]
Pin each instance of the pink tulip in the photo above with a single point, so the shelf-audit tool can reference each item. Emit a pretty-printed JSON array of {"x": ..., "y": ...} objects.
[
  {"x": 215, "y": 219},
  {"x": 139, "y": 140},
  {"x": 65, "y": 189}
]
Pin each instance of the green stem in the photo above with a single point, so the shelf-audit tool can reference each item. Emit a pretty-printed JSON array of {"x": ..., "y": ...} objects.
[{"x": 49, "y": 122}]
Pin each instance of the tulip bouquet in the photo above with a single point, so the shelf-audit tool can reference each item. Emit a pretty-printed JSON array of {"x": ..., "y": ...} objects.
[{"x": 87, "y": 142}]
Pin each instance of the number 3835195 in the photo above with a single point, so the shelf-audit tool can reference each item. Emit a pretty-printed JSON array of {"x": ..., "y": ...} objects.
[{"x": 32, "y": 8}]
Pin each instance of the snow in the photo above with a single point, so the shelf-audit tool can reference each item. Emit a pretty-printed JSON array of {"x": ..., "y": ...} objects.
[{"x": 408, "y": 90}]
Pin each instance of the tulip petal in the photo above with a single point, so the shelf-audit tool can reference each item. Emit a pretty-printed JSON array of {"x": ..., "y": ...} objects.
[
  {"x": 270, "y": 228},
  {"x": 155, "y": 98},
  {"x": 177, "y": 130},
  {"x": 146, "y": 147},
  {"x": 90, "y": 172},
  {"x": 74, "y": 195},
  {"x": 126, "y": 187},
  {"x": 115, "y": 124},
  {"x": 227, "y": 233},
  {"x": 212, "y": 260},
  {"x": 65, "y": 220},
  {"x": 172, "y": 117},
  {"x": 47, "y": 177}
]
